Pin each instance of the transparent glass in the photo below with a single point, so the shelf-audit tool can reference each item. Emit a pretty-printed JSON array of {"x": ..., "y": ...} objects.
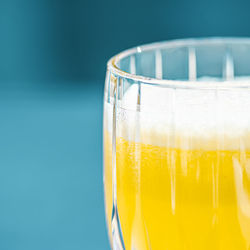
[{"x": 177, "y": 146}]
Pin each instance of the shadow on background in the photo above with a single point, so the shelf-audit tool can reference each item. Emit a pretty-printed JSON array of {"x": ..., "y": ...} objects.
[{"x": 52, "y": 68}]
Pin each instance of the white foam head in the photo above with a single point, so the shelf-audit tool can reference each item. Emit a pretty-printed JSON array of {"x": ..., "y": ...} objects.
[{"x": 185, "y": 115}]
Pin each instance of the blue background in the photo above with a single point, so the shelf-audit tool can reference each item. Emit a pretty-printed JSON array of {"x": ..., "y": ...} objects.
[{"x": 52, "y": 68}]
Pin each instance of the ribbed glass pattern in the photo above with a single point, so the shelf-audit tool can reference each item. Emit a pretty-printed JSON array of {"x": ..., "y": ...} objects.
[{"x": 177, "y": 146}]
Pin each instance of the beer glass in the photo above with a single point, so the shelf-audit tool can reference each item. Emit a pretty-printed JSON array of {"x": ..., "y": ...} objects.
[{"x": 177, "y": 146}]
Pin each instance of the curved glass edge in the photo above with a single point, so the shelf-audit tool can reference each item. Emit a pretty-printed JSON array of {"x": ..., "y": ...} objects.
[{"x": 112, "y": 65}]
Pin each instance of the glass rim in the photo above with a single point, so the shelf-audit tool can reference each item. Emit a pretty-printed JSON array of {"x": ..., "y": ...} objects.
[{"x": 113, "y": 67}]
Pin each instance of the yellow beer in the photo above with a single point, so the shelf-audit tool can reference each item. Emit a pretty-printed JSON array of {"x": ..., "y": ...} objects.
[{"x": 175, "y": 199}]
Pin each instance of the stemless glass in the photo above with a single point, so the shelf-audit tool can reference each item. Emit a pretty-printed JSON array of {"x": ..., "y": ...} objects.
[{"x": 177, "y": 146}]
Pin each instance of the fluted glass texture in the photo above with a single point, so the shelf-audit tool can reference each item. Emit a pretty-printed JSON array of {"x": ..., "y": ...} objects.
[{"x": 177, "y": 146}]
